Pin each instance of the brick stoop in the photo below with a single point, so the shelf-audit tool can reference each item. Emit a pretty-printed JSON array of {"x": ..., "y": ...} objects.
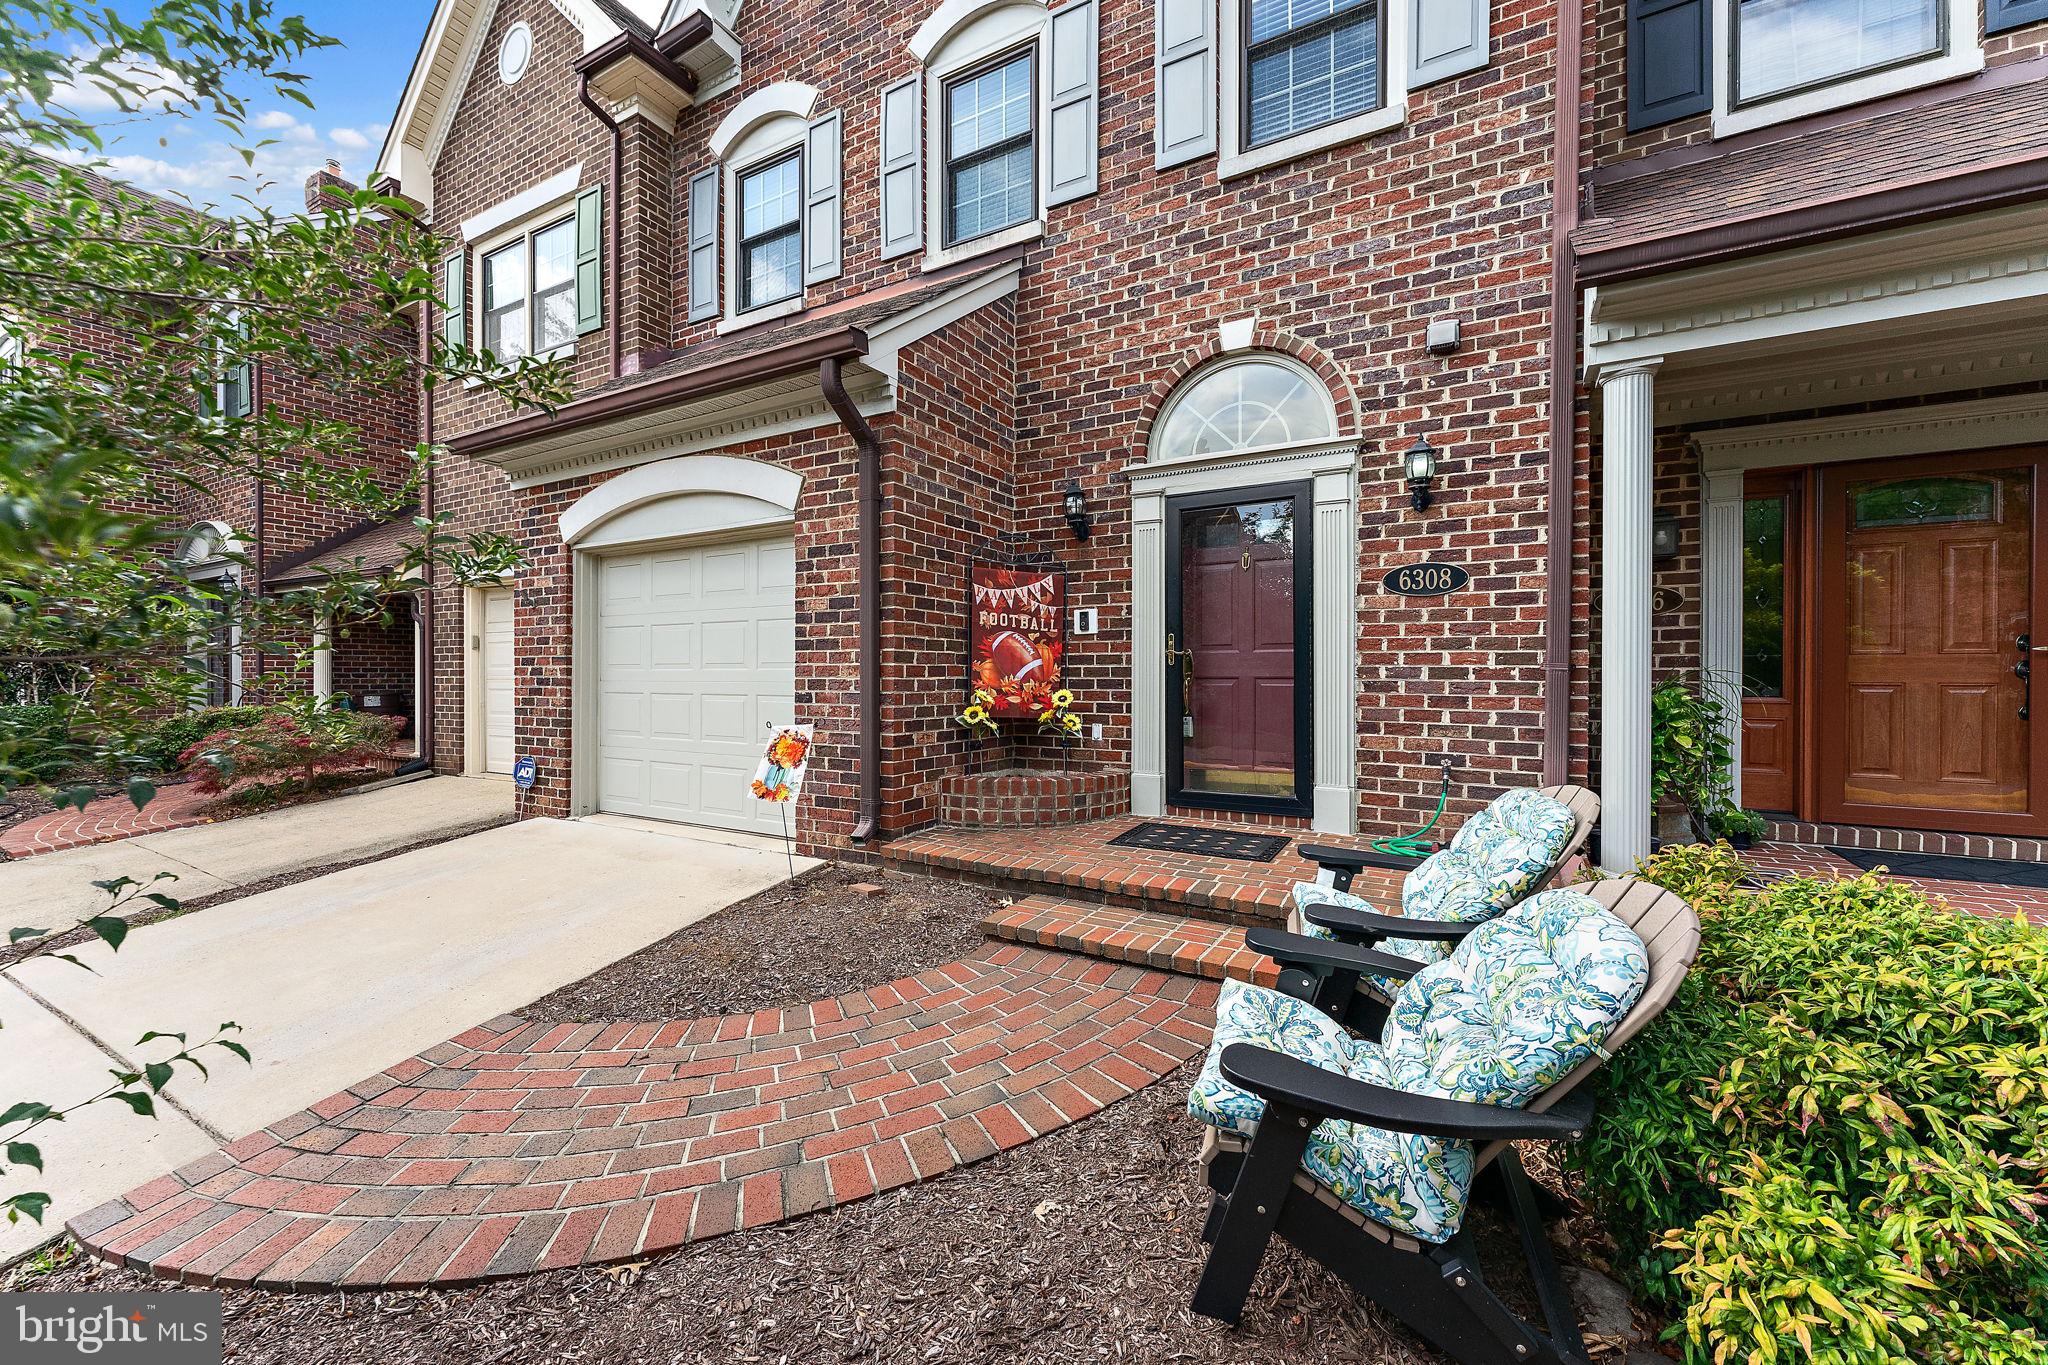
[
  {"x": 522, "y": 1146},
  {"x": 1078, "y": 863},
  {"x": 1115, "y": 933}
]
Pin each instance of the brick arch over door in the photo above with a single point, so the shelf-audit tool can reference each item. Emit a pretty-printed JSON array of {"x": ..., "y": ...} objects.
[{"x": 1212, "y": 348}]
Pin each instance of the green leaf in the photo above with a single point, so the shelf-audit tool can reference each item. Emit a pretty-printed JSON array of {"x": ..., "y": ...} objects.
[
  {"x": 17, "y": 935},
  {"x": 25, "y": 1154},
  {"x": 153, "y": 1035},
  {"x": 112, "y": 929},
  {"x": 25, "y": 1111},
  {"x": 158, "y": 1074},
  {"x": 139, "y": 1102},
  {"x": 30, "y": 1204},
  {"x": 237, "y": 1049},
  {"x": 140, "y": 790},
  {"x": 80, "y": 797}
]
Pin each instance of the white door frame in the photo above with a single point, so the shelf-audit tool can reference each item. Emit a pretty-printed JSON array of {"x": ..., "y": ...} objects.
[
  {"x": 1332, "y": 466},
  {"x": 473, "y": 737},
  {"x": 685, "y": 500}
]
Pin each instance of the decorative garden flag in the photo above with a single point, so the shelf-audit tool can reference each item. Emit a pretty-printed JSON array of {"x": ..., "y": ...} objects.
[
  {"x": 781, "y": 774},
  {"x": 1016, "y": 638}
]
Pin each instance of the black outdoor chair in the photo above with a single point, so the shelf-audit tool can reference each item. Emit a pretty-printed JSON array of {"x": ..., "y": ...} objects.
[{"x": 1438, "y": 1289}]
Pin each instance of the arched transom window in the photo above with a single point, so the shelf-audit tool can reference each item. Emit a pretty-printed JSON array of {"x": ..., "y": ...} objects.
[{"x": 1252, "y": 404}]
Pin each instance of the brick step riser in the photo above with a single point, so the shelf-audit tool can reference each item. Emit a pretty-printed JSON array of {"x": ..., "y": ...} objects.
[
  {"x": 1140, "y": 938},
  {"x": 1809, "y": 834},
  {"x": 1246, "y": 914}
]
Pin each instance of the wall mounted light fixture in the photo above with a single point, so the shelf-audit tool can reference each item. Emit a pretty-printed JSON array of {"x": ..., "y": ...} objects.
[
  {"x": 1420, "y": 462},
  {"x": 1076, "y": 505}
]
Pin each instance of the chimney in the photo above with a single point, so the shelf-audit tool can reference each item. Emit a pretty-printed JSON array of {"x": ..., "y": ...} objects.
[{"x": 320, "y": 182}]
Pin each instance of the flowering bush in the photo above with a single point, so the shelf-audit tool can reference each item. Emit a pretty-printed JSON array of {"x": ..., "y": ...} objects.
[
  {"x": 291, "y": 745},
  {"x": 1833, "y": 1146}
]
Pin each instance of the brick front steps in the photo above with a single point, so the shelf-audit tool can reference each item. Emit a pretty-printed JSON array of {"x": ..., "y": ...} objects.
[
  {"x": 1077, "y": 862},
  {"x": 1115, "y": 933},
  {"x": 109, "y": 817},
  {"x": 523, "y": 1146}
]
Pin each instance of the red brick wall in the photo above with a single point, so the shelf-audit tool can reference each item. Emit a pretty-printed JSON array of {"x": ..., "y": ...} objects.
[{"x": 1345, "y": 254}]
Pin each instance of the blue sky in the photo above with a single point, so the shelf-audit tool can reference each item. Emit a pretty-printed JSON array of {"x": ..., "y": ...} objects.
[{"x": 354, "y": 89}]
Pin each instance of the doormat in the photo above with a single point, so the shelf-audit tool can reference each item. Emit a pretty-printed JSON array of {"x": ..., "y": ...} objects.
[
  {"x": 1941, "y": 867},
  {"x": 1203, "y": 841}
]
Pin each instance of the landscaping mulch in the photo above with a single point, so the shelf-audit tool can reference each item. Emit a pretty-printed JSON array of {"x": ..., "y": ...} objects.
[
  {"x": 796, "y": 942},
  {"x": 24, "y": 803}
]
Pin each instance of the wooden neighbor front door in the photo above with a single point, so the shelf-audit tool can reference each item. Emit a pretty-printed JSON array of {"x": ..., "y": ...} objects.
[
  {"x": 1237, "y": 657},
  {"x": 1929, "y": 570}
]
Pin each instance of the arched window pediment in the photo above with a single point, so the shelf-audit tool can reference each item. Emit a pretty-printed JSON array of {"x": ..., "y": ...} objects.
[{"x": 1259, "y": 402}]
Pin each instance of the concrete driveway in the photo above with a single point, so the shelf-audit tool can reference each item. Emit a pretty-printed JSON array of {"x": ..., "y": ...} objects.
[
  {"x": 334, "y": 978},
  {"x": 56, "y": 888}
]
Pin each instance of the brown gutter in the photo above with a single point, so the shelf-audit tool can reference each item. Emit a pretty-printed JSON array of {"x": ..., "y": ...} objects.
[
  {"x": 424, "y": 603},
  {"x": 661, "y": 60},
  {"x": 842, "y": 343},
  {"x": 257, "y": 515},
  {"x": 1998, "y": 185},
  {"x": 1564, "y": 349},
  {"x": 868, "y": 493}
]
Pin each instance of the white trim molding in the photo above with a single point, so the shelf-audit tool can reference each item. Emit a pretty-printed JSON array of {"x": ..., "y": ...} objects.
[
  {"x": 1238, "y": 159},
  {"x": 959, "y": 35},
  {"x": 784, "y": 99},
  {"x": 1979, "y": 424},
  {"x": 1332, "y": 467},
  {"x": 557, "y": 188},
  {"x": 1961, "y": 55},
  {"x": 680, "y": 477}
]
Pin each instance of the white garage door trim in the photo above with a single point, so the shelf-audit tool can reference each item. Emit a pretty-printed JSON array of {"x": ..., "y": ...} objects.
[{"x": 671, "y": 504}]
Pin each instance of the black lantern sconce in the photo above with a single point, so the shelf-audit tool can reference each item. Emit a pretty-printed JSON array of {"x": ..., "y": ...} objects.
[
  {"x": 1419, "y": 460},
  {"x": 1076, "y": 507},
  {"x": 1664, "y": 536}
]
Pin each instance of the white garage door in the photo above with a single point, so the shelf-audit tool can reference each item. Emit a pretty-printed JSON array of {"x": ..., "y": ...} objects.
[{"x": 696, "y": 658}]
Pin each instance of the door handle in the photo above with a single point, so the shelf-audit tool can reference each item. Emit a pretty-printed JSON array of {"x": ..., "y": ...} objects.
[
  {"x": 1172, "y": 654},
  {"x": 2024, "y": 671}
]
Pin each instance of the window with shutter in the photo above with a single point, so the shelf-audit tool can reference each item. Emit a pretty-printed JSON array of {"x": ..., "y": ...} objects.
[
  {"x": 590, "y": 226},
  {"x": 1300, "y": 76},
  {"x": 1184, "y": 80},
  {"x": 902, "y": 134},
  {"x": 1670, "y": 55},
  {"x": 703, "y": 245},
  {"x": 1451, "y": 37},
  {"x": 454, "y": 310},
  {"x": 824, "y": 222},
  {"x": 1071, "y": 101}
]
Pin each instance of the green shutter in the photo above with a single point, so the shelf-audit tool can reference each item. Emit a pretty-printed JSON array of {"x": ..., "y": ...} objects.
[
  {"x": 454, "y": 311},
  {"x": 240, "y": 392},
  {"x": 590, "y": 260}
]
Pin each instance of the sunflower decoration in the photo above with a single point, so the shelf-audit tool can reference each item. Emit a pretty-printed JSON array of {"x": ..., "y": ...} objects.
[
  {"x": 975, "y": 717},
  {"x": 1060, "y": 718}
]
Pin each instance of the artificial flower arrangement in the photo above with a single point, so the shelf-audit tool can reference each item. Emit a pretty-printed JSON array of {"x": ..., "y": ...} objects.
[
  {"x": 1060, "y": 718},
  {"x": 975, "y": 718},
  {"x": 781, "y": 773}
]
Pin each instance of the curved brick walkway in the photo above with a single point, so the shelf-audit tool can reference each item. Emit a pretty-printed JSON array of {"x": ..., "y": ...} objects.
[
  {"x": 525, "y": 1146},
  {"x": 108, "y": 817}
]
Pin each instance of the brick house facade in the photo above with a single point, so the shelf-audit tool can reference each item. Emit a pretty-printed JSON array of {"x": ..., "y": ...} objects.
[{"x": 1167, "y": 240}]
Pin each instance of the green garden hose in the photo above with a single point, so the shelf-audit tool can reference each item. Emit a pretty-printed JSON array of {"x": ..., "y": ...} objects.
[{"x": 1414, "y": 845}]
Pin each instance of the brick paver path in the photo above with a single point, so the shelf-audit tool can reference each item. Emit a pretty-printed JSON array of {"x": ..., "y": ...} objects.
[
  {"x": 523, "y": 1146},
  {"x": 110, "y": 817},
  {"x": 1172, "y": 943}
]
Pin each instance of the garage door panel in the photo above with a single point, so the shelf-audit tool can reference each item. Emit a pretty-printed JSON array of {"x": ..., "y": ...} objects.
[
  {"x": 496, "y": 648},
  {"x": 726, "y": 643},
  {"x": 697, "y": 655},
  {"x": 775, "y": 643}
]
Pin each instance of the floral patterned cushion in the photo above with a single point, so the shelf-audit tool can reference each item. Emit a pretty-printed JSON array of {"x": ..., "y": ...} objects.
[
  {"x": 1523, "y": 1000},
  {"x": 1490, "y": 863}
]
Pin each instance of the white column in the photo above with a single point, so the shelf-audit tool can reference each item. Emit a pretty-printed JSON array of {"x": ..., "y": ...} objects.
[
  {"x": 323, "y": 655},
  {"x": 1335, "y": 615},
  {"x": 1721, "y": 607},
  {"x": 1148, "y": 654},
  {"x": 1627, "y": 446}
]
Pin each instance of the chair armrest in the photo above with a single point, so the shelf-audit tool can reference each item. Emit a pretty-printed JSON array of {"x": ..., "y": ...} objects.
[
  {"x": 1352, "y": 859},
  {"x": 1303, "y": 950},
  {"x": 1300, "y": 1085},
  {"x": 1344, "y": 920}
]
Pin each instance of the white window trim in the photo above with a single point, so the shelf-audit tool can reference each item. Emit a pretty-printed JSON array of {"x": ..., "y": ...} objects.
[
  {"x": 559, "y": 210},
  {"x": 533, "y": 199},
  {"x": 1237, "y": 159},
  {"x": 989, "y": 34},
  {"x": 1965, "y": 56},
  {"x": 769, "y": 138},
  {"x": 223, "y": 361}
]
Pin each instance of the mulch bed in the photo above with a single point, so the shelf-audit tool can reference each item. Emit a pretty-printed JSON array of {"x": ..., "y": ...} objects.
[
  {"x": 22, "y": 804},
  {"x": 796, "y": 942},
  {"x": 1083, "y": 1245}
]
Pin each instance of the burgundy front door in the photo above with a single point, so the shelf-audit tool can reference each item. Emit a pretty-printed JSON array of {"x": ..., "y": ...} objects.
[{"x": 1238, "y": 673}]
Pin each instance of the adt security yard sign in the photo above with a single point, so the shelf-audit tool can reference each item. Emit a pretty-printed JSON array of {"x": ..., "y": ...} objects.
[{"x": 522, "y": 773}]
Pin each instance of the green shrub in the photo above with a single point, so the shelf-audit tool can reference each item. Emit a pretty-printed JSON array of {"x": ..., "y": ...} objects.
[
  {"x": 169, "y": 738},
  {"x": 32, "y": 739},
  {"x": 290, "y": 747},
  {"x": 1833, "y": 1146}
]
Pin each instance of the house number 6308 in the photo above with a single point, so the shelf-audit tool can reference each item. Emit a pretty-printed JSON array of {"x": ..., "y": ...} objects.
[{"x": 1425, "y": 580}]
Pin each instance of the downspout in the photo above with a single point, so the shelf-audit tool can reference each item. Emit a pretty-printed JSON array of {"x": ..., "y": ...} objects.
[
  {"x": 614, "y": 213},
  {"x": 1564, "y": 347},
  {"x": 868, "y": 495},
  {"x": 424, "y": 602},
  {"x": 256, "y": 527}
]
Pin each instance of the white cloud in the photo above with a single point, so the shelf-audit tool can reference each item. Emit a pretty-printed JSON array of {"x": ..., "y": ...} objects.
[{"x": 349, "y": 138}]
